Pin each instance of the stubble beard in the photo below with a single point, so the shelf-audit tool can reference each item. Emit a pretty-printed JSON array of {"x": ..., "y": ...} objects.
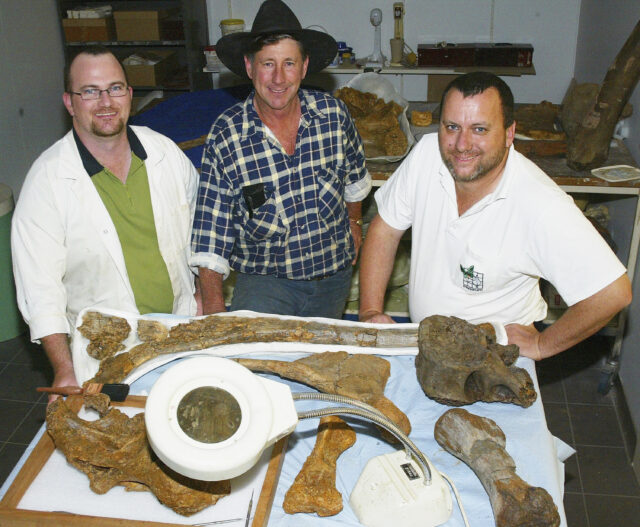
[
  {"x": 481, "y": 170},
  {"x": 111, "y": 132}
]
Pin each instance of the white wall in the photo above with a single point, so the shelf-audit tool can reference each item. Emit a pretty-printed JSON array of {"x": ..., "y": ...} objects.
[
  {"x": 31, "y": 109},
  {"x": 551, "y": 26}
]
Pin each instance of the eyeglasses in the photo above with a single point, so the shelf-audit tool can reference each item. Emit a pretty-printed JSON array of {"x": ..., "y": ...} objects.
[{"x": 91, "y": 94}]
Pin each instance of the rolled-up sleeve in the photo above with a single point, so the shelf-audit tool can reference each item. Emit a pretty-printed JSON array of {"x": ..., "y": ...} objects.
[
  {"x": 358, "y": 182},
  {"x": 213, "y": 230}
]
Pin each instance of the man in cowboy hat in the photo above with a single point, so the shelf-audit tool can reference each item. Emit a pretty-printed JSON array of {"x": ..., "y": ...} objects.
[{"x": 283, "y": 175}]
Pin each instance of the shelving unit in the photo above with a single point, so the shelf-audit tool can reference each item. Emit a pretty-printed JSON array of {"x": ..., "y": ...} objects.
[{"x": 192, "y": 18}]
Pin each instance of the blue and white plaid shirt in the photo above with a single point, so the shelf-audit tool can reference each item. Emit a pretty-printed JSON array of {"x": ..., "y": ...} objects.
[{"x": 301, "y": 231}]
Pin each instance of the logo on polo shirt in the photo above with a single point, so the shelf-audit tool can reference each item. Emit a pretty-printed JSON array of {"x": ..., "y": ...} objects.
[{"x": 472, "y": 279}]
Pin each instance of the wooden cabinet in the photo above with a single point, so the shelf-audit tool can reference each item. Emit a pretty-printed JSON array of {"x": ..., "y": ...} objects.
[{"x": 177, "y": 28}]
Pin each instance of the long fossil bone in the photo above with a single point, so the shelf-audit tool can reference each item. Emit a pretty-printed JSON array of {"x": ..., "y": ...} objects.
[
  {"x": 202, "y": 333},
  {"x": 480, "y": 443}
]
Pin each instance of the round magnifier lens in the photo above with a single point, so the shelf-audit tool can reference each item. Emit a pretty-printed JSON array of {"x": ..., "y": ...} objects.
[{"x": 209, "y": 415}]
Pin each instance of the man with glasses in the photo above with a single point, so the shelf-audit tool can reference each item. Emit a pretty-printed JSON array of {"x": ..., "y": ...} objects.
[{"x": 104, "y": 216}]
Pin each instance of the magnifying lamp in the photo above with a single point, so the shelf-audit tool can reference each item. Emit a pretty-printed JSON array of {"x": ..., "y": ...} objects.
[{"x": 210, "y": 418}]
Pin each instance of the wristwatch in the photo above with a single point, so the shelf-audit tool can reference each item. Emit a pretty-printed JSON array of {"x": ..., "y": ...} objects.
[{"x": 357, "y": 222}]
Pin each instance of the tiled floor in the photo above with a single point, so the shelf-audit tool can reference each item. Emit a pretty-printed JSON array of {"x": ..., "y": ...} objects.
[{"x": 600, "y": 489}]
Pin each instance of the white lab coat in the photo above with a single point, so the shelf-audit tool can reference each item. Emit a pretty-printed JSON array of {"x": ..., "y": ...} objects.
[{"x": 66, "y": 251}]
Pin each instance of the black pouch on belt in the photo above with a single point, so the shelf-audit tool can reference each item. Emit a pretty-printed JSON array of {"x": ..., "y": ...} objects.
[{"x": 253, "y": 197}]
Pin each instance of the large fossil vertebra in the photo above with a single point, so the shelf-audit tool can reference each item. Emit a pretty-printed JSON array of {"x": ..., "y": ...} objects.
[{"x": 459, "y": 363}]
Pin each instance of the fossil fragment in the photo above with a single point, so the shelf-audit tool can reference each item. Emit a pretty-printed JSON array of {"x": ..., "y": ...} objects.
[
  {"x": 114, "y": 450},
  {"x": 215, "y": 330},
  {"x": 376, "y": 121},
  {"x": 152, "y": 330},
  {"x": 105, "y": 334},
  {"x": 361, "y": 377},
  {"x": 314, "y": 489},
  {"x": 480, "y": 443},
  {"x": 459, "y": 363}
]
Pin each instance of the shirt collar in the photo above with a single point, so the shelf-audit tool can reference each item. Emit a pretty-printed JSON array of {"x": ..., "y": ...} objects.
[
  {"x": 252, "y": 124},
  {"x": 91, "y": 164}
]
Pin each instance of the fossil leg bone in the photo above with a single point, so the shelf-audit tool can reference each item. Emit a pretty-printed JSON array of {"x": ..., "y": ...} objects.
[
  {"x": 314, "y": 489},
  {"x": 480, "y": 443}
]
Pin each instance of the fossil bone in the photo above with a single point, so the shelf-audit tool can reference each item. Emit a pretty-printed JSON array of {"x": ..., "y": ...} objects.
[
  {"x": 314, "y": 489},
  {"x": 105, "y": 334},
  {"x": 361, "y": 377},
  {"x": 214, "y": 330},
  {"x": 114, "y": 450},
  {"x": 480, "y": 443},
  {"x": 459, "y": 363}
]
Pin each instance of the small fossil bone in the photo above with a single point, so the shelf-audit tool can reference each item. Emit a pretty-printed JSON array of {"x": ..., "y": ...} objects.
[
  {"x": 314, "y": 489},
  {"x": 361, "y": 377},
  {"x": 459, "y": 363},
  {"x": 114, "y": 450},
  {"x": 480, "y": 443}
]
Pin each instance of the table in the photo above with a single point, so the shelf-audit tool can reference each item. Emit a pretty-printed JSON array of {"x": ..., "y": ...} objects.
[{"x": 535, "y": 451}]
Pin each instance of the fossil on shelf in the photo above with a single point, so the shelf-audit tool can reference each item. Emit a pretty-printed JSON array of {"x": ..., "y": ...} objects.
[
  {"x": 114, "y": 450},
  {"x": 376, "y": 121},
  {"x": 214, "y": 330},
  {"x": 361, "y": 377},
  {"x": 314, "y": 489}
]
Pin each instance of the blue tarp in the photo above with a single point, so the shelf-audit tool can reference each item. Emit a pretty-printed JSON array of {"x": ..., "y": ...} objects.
[{"x": 190, "y": 115}]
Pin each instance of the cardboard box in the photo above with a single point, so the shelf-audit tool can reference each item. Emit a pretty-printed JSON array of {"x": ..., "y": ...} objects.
[
  {"x": 88, "y": 29},
  {"x": 148, "y": 25},
  {"x": 152, "y": 74}
]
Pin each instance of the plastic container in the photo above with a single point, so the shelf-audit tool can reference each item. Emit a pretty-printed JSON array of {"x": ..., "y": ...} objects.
[
  {"x": 231, "y": 25},
  {"x": 213, "y": 62},
  {"x": 11, "y": 323}
]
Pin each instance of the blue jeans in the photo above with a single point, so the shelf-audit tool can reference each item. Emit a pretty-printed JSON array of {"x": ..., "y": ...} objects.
[{"x": 304, "y": 298}]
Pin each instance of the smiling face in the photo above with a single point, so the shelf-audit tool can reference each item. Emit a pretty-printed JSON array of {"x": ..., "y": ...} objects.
[
  {"x": 473, "y": 141},
  {"x": 276, "y": 72},
  {"x": 105, "y": 116}
]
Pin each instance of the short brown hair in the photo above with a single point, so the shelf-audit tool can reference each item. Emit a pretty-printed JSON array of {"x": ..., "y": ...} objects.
[
  {"x": 477, "y": 82},
  {"x": 95, "y": 50}
]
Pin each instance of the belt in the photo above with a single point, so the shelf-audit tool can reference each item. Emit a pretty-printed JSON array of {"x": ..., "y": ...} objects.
[{"x": 318, "y": 278}]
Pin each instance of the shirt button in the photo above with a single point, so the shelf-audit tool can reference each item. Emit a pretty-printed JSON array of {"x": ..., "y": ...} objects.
[{"x": 106, "y": 231}]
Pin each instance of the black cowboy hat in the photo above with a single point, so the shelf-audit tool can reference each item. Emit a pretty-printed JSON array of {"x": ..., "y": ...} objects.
[{"x": 275, "y": 17}]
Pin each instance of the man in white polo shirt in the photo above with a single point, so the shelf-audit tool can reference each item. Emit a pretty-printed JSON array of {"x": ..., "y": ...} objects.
[{"x": 487, "y": 224}]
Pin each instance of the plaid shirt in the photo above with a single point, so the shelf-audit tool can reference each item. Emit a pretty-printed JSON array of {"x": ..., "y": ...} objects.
[{"x": 301, "y": 230}]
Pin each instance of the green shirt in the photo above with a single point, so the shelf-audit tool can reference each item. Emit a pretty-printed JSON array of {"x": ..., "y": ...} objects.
[{"x": 129, "y": 205}]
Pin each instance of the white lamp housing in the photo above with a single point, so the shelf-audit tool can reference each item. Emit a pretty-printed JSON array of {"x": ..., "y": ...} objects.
[
  {"x": 260, "y": 424},
  {"x": 392, "y": 491}
]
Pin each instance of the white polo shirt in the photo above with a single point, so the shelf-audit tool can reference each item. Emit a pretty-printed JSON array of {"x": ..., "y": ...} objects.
[{"x": 485, "y": 265}]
